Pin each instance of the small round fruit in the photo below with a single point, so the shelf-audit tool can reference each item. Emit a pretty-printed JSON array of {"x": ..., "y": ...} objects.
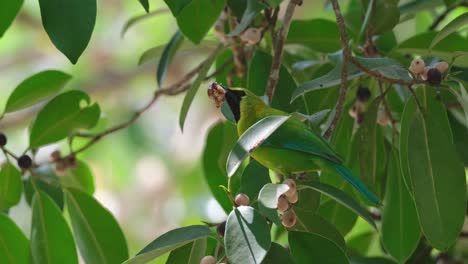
[
  {"x": 3, "y": 140},
  {"x": 208, "y": 260},
  {"x": 424, "y": 74},
  {"x": 292, "y": 187},
  {"x": 293, "y": 198},
  {"x": 221, "y": 229},
  {"x": 434, "y": 76},
  {"x": 242, "y": 199},
  {"x": 417, "y": 66},
  {"x": 24, "y": 162},
  {"x": 288, "y": 219},
  {"x": 283, "y": 204},
  {"x": 55, "y": 156},
  {"x": 353, "y": 111},
  {"x": 363, "y": 94},
  {"x": 442, "y": 66},
  {"x": 382, "y": 118}
]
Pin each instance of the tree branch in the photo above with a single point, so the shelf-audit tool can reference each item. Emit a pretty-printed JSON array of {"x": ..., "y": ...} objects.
[{"x": 279, "y": 47}]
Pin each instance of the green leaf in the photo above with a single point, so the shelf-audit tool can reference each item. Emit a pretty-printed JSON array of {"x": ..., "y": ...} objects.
[
  {"x": 190, "y": 95},
  {"x": 247, "y": 238},
  {"x": 318, "y": 34},
  {"x": 385, "y": 17},
  {"x": 8, "y": 13},
  {"x": 192, "y": 253},
  {"x": 47, "y": 182},
  {"x": 254, "y": 177},
  {"x": 268, "y": 200},
  {"x": 177, "y": 5},
  {"x": 14, "y": 246},
  {"x": 11, "y": 186},
  {"x": 49, "y": 232},
  {"x": 169, "y": 241},
  {"x": 315, "y": 224},
  {"x": 309, "y": 200},
  {"x": 98, "y": 234},
  {"x": 145, "y": 5},
  {"x": 437, "y": 177},
  {"x": 198, "y": 16},
  {"x": 451, "y": 27},
  {"x": 254, "y": 7},
  {"x": 250, "y": 139},
  {"x": 278, "y": 255},
  {"x": 35, "y": 89},
  {"x": 62, "y": 116},
  {"x": 400, "y": 227},
  {"x": 312, "y": 248},
  {"x": 167, "y": 55},
  {"x": 406, "y": 121},
  {"x": 69, "y": 24},
  {"x": 79, "y": 177},
  {"x": 372, "y": 260},
  {"x": 342, "y": 198}
]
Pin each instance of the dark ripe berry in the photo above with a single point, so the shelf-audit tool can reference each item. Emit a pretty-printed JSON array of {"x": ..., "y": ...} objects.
[
  {"x": 221, "y": 229},
  {"x": 24, "y": 162},
  {"x": 363, "y": 94},
  {"x": 3, "y": 139},
  {"x": 434, "y": 76}
]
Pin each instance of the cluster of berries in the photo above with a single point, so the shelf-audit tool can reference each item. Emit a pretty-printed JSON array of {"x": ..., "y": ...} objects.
[
  {"x": 62, "y": 164},
  {"x": 431, "y": 74},
  {"x": 288, "y": 217}
]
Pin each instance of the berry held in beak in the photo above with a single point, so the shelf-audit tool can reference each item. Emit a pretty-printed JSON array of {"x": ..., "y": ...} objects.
[{"x": 217, "y": 93}]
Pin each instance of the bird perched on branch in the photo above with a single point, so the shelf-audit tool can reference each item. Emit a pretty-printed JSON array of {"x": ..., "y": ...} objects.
[{"x": 293, "y": 148}]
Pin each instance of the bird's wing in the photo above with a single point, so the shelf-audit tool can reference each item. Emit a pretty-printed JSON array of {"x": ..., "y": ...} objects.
[{"x": 295, "y": 135}]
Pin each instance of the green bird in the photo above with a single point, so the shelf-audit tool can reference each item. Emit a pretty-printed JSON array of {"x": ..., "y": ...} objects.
[{"x": 293, "y": 148}]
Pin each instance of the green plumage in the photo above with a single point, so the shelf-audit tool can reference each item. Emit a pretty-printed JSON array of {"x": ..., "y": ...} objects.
[{"x": 293, "y": 147}]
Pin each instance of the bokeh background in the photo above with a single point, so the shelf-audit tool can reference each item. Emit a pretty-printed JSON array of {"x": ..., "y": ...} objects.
[{"x": 150, "y": 174}]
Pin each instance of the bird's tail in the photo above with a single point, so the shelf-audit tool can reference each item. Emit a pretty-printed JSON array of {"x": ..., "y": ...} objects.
[{"x": 356, "y": 182}]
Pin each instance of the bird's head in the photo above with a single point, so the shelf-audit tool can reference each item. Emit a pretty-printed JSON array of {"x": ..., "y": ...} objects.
[{"x": 233, "y": 96}]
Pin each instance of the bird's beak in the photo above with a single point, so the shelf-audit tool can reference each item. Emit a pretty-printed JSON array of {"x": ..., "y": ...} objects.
[{"x": 217, "y": 93}]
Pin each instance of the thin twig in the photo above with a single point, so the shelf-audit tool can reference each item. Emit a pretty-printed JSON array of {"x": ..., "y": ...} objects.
[
  {"x": 6, "y": 151},
  {"x": 279, "y": 46}
]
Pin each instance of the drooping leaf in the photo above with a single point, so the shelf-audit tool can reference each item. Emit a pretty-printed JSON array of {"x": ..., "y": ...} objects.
[
  {"x": 177, "y": 5},
  {"x": 198, "y": 16},
  {"x": 169, "y": 241},
  {"x": 79, "y": 177},
  {"x": 98, "y": 234},
  {"x": 69, "y": 24},
  {"x": 47, "y": 181},
  {"x": 167, "y": 55},
  {"x": 35, "y": 89},
  {"x": 451, "y": 27},
  {"x": 252, "y": 138},
  {"x": 49, "y": 232},
  {"x": 62, "y": 116},
  {"x": 312, "y": 248},
  {"x": 145, "y": 5},
  {"x": 254, "y": 7},
  {"x": 400, "y": 227},
  {"x": 254, "y": 177},
  {"x": 8, "y": 13},
  {"x": 11, "y": 186},
  {"x": 385, "y": 17},
  {"x": 342, "y": 198},
  {"x": 438, "y": 180},
  {"x": 268, "y": 200},
  {"x": 247, "y": 238},
  {"x": 191, "y": 253},
  {"x": 15, "y": 246},
  {"x": 190, "y": 95},
  {"x": 318, "y": 34},
  {"x": 309, "y": 200},
  {"x": 278, "y": 254}
]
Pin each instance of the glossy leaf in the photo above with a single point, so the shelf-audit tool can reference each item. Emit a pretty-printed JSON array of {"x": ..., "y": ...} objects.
[
  {"x": 171, "y": 240},
  {"x": 192, "y": 253},
  {"x": 69, "y": 24},
  {"x": 62, "y": 116},
  {"x": 98, "y": 234},
  {"x": 318, "y": 34},
  {"x": 247, "y": 238},
  {"x": 49, "y": 232},
  {"x": 251, "y": 139},
  {"x": 46, "y": 181},
  {"x": 342, "y": 198},
  {"x": 438, "y": 181},
  {"x": 35, "y": 89},
  {"x": 145, "y": 5},
  {"x": 79, "y": 177},
  {"x": 400, "y": 227},
  {"x": 451, "y": 27},
  {"x": 11, "y": 186},
  {"x": 385, "y": 17},
  {"x": 190, "y": 95},
  {"x": 254, "y": 7},
  {"x": 8, "y": 13},
  {"x": 14, "y": 248},
  {"x": 372, "y": 260},
  {"x": 177, "y": 5},
  {"x": 406, "y": 121},
  {"x": 254, "y": 177},
  {"x": 278, "y": 254},
  {"x": 198, "y": 16},
  {"x": 268, "y": 200},
  {"x": 312, "y": 248},
  {"x": 167, "y": 55}
]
